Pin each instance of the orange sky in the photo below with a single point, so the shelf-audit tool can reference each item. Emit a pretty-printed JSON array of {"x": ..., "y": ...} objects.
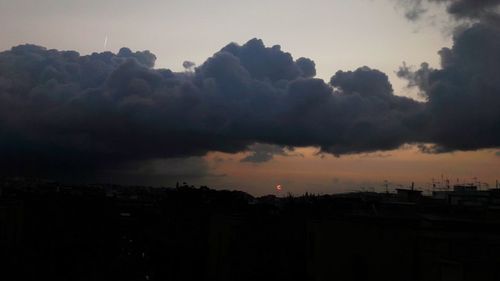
[{"x": 328, "y": 174}]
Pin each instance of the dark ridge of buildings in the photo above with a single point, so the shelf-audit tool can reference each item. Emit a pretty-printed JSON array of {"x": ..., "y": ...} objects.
[{"x": 54, "y": 231}]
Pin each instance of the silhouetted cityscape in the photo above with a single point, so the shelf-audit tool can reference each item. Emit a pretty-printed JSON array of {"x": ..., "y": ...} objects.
[
  {"x": 138, "y": 140},
  {"x": 55, "y": 231}
]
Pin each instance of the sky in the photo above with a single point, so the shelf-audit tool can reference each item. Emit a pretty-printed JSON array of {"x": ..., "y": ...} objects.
[{"x": 367, "y": 133}]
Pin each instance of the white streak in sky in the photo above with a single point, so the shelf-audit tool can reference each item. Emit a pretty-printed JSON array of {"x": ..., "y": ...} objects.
[{"x": 105, "y": 42}]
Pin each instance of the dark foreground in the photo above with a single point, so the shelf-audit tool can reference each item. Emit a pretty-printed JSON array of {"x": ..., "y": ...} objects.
[{"x": 50, "y": 231}]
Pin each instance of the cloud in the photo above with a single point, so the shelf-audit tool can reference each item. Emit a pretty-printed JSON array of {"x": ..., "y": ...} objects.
[
  {"x": 307, "y": 67},
  {"x": 375, "y": 155},
  {"x": 473, "y": 9},
  {"x": 156, "y": 171},
  {"x": 188, "y": 65},
  {"x": 414, "y": 9},
  {"x": 416, "y": 78},
  {"x": 64, "y": 113},
  {"x": 260, "y": 153},
  {"x": 464, "y": 95},
  {"x": 484, "y": 10}
]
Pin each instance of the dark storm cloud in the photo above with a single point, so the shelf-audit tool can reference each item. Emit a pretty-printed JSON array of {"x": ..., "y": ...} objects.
[
  {"x": 376, "y": 118},
  {"x": 485, "y": 10},
  {"x": 60, "y": 111},
  {"x": 464, "y": 95}
]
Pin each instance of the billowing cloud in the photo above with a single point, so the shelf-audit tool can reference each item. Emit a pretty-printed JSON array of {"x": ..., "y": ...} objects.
[
  {"x": 463, "y": 96},
  {"x": 62, "y": 112}
]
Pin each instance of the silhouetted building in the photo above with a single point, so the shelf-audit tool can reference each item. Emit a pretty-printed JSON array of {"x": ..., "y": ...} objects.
[
  {"x": 409, "y": 195},
  {"x": 139, "y": 233}
]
